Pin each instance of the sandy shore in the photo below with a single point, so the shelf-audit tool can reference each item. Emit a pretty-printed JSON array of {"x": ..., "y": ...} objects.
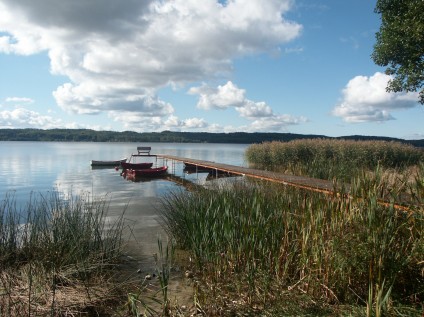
[{"x": 141, "y": 247}]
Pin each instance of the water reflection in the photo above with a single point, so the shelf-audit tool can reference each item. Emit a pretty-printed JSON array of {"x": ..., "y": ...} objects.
[
  {"x": 27, "y": 167},
  {"x": 39, "y": 167}
]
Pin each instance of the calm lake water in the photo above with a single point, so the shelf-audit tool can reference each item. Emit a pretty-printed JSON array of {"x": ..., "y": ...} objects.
[
  {"x": 33, "y": 168},
  {"x": 28, "y": 167}
]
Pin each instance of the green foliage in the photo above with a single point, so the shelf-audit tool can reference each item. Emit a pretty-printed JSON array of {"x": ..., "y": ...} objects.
[
  {"x": 400, "y": 44},
  {"x": 86, "y": 135},
  {"x": 328, "y": 159},
  {"x": 264, "y": 245},
  {"x": 56, "y": 255},
  {"x": 56, "y": 231}
]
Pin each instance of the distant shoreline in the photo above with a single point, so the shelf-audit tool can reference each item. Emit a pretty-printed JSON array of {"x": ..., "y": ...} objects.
[{"x": 87, "y": 135}]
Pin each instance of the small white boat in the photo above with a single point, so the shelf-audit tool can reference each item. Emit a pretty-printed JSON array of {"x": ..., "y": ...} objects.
[{"x": 108, "y": 163}]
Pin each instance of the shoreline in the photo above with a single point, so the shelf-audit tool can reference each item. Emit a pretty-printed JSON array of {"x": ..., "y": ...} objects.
[{"x": 141, "y": 251}]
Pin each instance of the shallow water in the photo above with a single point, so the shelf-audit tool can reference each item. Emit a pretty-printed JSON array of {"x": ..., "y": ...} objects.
[{"x": 28, "y": 168}]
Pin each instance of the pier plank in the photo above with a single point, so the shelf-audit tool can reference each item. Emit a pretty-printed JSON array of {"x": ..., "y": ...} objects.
[
  {"x": 299, "y": 181},
  {"x": 311, "y": 184}
]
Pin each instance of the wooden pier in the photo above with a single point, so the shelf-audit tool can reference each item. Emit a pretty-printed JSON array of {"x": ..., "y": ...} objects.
[{"x": 311, "y": 184}]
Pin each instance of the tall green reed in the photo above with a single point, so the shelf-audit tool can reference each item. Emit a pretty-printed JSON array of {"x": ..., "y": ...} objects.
[
  {"x": 328, "y": 159},
  {"x": 55, "y": 242},
  {"x": 270, "y": 238}
]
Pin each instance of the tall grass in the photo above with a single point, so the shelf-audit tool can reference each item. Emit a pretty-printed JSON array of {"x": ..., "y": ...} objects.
[
  {"x": 328, "y": 159},
  {"x": 56, "y": 255},
  {"x": 262, "y": 245}
]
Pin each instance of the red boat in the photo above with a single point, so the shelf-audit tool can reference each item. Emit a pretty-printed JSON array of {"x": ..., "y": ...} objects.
[
  {"x": 148, "y": 172},
  {"x": 136, "y": 166}
]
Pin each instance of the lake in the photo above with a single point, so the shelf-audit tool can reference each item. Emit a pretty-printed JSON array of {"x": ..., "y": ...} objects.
[{"x": 28, "y": 168}]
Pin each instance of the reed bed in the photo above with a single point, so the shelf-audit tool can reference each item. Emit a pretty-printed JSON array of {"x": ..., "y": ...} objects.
[
  {"x": 329, "y": 159},
  {"x": 259, "y": 248},
  {"x": 57, "y": 256}
]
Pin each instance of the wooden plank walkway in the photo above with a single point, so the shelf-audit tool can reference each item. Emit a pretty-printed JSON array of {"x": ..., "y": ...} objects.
[{"x": 311, "y": 184}]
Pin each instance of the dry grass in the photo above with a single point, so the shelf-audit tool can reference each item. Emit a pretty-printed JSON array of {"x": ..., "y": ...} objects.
[
  {"x": 58, "y": 257},
  {"x": 30, "y": 292},
  {"x": 329, "y": 159},
  {"x": 273, "y": 250}
]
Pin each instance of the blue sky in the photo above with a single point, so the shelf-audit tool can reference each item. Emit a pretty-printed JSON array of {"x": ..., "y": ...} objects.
[{"x": 187, "y": 65}]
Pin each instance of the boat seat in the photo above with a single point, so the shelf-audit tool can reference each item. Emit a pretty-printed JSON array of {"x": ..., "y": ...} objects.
[{"x": 144, "y": 150}]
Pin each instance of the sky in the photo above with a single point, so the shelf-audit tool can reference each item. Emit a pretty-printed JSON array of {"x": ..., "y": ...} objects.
[{"x": 289, "y": 66}]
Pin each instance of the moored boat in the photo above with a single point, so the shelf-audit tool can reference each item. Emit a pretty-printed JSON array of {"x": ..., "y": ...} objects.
[
  {"x": 108, "y": 163},
  {"x": 136, "y": 166},
  {"x": 148, "y": 172}
]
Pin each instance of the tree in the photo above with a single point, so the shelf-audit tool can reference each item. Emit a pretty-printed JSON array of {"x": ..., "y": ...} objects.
[{"x": 400, "y": 44}]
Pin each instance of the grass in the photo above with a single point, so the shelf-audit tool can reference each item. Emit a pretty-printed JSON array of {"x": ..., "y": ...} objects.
[
  {"x": 63, "y": 256},
  {"x": 255, "y": 248},
  {"x": 259, "y": 245},
  {"x": 329, "y": 159},
  {"x": 273, "y": 250},
  {"x": 57, "y": 256}
]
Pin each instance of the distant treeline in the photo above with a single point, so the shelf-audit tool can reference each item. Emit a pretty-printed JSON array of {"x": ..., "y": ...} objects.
[{"x": 86, "y": 135}]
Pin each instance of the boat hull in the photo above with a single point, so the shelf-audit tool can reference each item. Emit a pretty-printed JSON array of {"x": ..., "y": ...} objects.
[
  {"x": 108, "y": 163},
  {"x": 148, "y": 172},
  {"x": 136, "y": 166}
]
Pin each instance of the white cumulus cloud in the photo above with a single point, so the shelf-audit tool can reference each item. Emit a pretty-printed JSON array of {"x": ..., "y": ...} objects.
[
  {"x": 140, "y": 123},
  {"x": 276, "y": 123},
  {"x": 222, "y": 97},
  {"x": 251, "y": 109},
  {"x": 227, "y": 96},
  {"x": 89, "y": 98},
  {"x": 24, "y": 118},
  {"x": 19, "y": 100},
  {"x": 195, "y": 123},
  {"x": 118, "y": 54},
  {"x": 365, "y": 99},
  {"x": 260, "y": 114},
  {"x": 173, "y": 123}
]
